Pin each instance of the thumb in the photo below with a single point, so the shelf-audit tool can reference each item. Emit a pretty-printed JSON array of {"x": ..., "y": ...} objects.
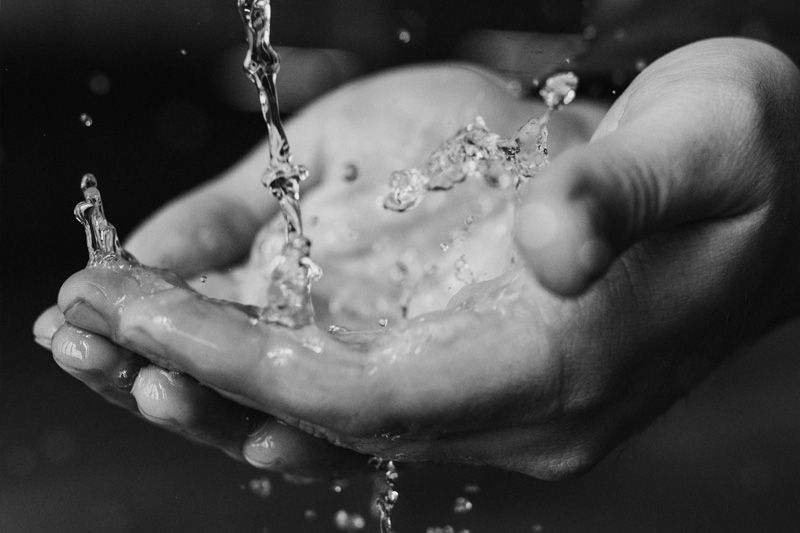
[{"x": 596, "y": 200}]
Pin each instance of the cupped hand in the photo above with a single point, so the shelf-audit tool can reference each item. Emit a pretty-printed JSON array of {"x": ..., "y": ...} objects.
[{"x": 646, "y": 256}]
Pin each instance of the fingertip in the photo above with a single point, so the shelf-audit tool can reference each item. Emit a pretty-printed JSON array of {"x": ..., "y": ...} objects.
[
  {"x": 159, "y": 397},
  {"x": 93, "y": 359},
  {"x": 561, "y": 244},
  {"x": 278, "y": 446},
  {"x": 89, "y": 287},
  {"x": 177, "y": 402},
  {"x": 46, "y": 326}
]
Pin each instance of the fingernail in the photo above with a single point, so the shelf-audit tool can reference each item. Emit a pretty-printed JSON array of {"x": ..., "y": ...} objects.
[
  {"x": 84, "y": 316},
  {"x": 44, "y": 342},
  {"x": 125, "y": 378},
  {"x": 260, "y": 449}
]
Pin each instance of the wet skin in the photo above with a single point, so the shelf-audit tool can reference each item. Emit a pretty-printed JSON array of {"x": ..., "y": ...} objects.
[{"x": 646, "y": 256}]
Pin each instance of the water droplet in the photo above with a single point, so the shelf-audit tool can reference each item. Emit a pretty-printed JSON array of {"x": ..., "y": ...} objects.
[
  {"x": 464, "y": 273},
  {"x": 253, "y": 321},
  {"x": 590, "y": 32},
  {"x": 261, "y": 487},
  {"x": 641, "y": 64},
  {"x": 514, "y": 87},
  {"x": 125, "y": 379},
  {"x": 183, "y": 51},
  {"x": 310, "y": 515},
  {"x": 88, "y": 180},
  {"x": 338, "y": 486},
  {"x": 620, "y": 34},
  {"x": 469, "y": 220},
  {"x": 99, "y": 84},
  {"x": 462, "y": 505},
  {"x": 404, "y": 35},
  {"x": 335, "y": 330},
  {"x": 350, "y": 172},
  {"x": 86, "y": 119},
  {"x": 559, "y": 90},
  {"x": 408, "y": 187},
  {"x": 537, "y": 528},
  {"x": 387, "y": 497},
  {"x": 203, "y": 278},
  {"x": 472, "y": 488},
  {"x": 348, "y": 521},
  {"x": 443, "y": 246},
  {"x": 382, "y": 322}
]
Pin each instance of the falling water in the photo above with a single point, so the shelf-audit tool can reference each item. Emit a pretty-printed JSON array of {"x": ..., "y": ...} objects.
[{"x": 289, "y": 291}]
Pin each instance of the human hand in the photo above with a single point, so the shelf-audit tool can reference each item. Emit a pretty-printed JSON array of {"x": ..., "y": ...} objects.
[
  {"x": 510, "y": 374},
  {"x": 213, "y": 227}
]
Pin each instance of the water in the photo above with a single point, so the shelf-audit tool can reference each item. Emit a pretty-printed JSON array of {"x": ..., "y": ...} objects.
[
  {"x": 124, "y": 380},
  {"x": 289, "y": 291},
  {"x": 387, "y": 497},
  {"x": 102, "y": 240},
  {"x": 463, "y": 271},
  {"x": 462, "y": 505},
  {"x": 476, "y": 152},
  {"x": 261, "y": 487}
]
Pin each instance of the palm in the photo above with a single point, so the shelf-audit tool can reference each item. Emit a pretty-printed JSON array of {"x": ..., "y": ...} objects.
[{"x": 381, "y": 264}]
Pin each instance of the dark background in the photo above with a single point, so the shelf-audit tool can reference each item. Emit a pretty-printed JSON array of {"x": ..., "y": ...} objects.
[{"x": 725, "y": 459}]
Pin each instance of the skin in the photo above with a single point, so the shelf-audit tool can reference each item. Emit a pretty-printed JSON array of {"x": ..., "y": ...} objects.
[{"x": 645, "y": 257}]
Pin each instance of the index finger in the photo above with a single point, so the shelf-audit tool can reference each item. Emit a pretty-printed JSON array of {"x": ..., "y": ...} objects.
[{"x": 419, "y": 380}]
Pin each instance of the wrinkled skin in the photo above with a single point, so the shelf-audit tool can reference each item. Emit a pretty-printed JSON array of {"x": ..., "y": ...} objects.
[{"x": 645, "y": 257}]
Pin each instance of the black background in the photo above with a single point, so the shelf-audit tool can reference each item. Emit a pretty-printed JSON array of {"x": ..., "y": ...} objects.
[{"x": 726, "y": 459}]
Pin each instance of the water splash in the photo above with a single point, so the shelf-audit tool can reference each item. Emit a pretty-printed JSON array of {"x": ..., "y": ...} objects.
[
  {"x": 387, "y": 497},
  {"x": 102, "y": 240},
  {"x": 476, "y": 152},
  {"x": 289, "y": 291}
]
